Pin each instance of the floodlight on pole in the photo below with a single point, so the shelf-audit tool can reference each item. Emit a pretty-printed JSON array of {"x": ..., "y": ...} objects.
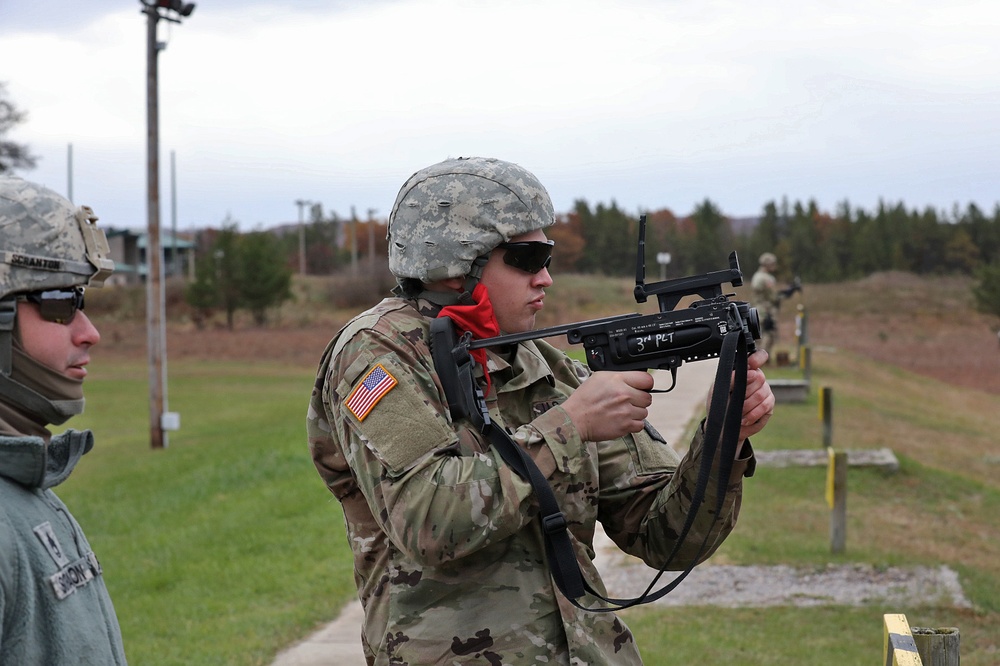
[{"x": 159, "y": 419}]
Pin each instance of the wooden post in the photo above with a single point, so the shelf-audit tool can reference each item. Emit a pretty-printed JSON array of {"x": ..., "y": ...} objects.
[
  {"x": 826, "y": 414},
  {"x": 837, "y": 498},
  {"x": 899, "y": 648},
  {"x": 805, "y": 362},
  {"x": 937, "y": 647}
]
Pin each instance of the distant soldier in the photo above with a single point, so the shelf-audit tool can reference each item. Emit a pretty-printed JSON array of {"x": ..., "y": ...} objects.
[
  {"x": 54, "y": 606},
  {"x": 765, "y": 298},
  {"x": 449, "y": 554}
]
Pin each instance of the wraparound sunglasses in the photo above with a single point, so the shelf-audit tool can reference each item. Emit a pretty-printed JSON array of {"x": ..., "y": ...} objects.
[
  {"x": 56, "y": 305},
  {"x": 530, "y": 256}
]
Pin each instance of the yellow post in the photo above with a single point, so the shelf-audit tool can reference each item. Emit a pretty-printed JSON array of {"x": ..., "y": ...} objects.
[
  {"x": 836, "y": 496},
  {"x": 899, "y": 647},
  {"x": 826, "y": 414}
]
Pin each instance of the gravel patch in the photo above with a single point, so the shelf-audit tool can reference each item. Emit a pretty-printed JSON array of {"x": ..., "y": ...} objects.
[
  {"x": 832, "y": 585},
  {"x": 759, "y": 586}
]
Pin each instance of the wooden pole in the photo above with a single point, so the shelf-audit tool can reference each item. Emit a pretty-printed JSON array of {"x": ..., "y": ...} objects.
[
  {"x": 826, "y": 414},
  {"x": 154, "y": 288},
  {"x": 937, "y": 647}
]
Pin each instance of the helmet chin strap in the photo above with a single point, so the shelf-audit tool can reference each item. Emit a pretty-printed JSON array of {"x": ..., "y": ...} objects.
[
  {"x": 446, "y": 298},
  {"x": 472, "y": 279},
  {"x": 8, "y": 312}
]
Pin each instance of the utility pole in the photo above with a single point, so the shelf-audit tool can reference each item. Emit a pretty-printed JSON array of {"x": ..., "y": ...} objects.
[
  {"x": 175, "y": 265},
  {"x": 302, "y": 203},
  {"x": 371, "y": 240},
  {"x": 354, "y": 242},
  {"x": 155, "y": 300}
]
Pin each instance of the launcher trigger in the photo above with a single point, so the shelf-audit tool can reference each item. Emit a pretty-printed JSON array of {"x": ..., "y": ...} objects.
[{"x": 673, "y": 382}]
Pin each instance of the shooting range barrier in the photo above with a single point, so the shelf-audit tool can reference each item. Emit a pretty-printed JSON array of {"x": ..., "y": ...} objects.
[
  {"x": 882, "y": 459},
  {"x": 836, "y": 463},
  {"x": 795, "y": 390},
  {"x": 919, "y": 646},
  {"x": 789, "y": 390}
]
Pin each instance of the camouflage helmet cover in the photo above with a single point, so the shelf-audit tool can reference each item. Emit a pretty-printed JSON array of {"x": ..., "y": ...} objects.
[
  {"x": 767, "y": 259},
  {"x": 450, "y": 213},
  {"x": 46, "y": 242}
]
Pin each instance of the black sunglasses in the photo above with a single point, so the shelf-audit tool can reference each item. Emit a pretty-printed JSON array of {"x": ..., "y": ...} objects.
[
  {"x": 57, "y": 305},
  {"x": 529, "y": 256}
]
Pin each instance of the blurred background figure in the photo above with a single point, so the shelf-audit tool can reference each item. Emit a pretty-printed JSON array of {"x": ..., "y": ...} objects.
[{"x": 766, "y": 297}]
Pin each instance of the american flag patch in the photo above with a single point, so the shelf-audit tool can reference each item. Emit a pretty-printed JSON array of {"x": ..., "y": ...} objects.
[{"x": 376, "y": 384}]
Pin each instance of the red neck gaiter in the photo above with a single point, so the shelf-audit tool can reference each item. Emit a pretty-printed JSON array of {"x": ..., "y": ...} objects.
[{"x": 478, "y": 319}]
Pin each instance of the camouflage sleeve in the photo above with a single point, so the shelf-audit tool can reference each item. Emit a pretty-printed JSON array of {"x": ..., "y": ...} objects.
[
  {"x": 552, "y": 441},
  {"x": 648, "y": 496},
  {"x": 435, "y": 490}
]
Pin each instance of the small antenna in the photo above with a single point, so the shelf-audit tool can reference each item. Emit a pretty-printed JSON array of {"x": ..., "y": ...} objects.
[{"x": 640, "y": 263}]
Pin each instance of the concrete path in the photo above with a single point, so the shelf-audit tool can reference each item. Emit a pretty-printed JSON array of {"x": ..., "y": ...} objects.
[{"x": 339, "y": 643}]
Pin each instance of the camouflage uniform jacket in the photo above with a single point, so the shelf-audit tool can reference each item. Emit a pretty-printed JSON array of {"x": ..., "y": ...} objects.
[
  {"x": 765, "y": 293},
  {"x": 449, "y": 557}
]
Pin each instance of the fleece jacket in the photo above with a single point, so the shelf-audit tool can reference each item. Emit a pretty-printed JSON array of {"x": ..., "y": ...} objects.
[{"x": 54, "y": 606}]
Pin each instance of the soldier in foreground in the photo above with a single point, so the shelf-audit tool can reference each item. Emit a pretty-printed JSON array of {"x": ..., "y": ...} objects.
[
  {"x": 449, "y": 556},
  {"x": 54, "y": 606}
]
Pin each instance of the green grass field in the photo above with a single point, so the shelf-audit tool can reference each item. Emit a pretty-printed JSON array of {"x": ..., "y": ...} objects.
[{"x": 226, "y": 547}]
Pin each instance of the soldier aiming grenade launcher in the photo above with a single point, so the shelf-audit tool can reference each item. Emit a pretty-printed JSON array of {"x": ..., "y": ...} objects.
[
  {"x": 662, "y": 341},
  {"x": 713, "y": 327}
]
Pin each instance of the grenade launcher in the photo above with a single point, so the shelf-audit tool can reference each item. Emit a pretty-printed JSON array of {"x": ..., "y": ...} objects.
[{"x": 664, "y": 340}]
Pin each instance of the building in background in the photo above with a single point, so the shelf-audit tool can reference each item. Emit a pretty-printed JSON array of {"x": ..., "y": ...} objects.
[{"x": 128, "y": 250}]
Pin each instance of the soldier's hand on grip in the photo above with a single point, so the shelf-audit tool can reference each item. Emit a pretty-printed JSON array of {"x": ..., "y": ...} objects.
[{"x": 610, "y": 404}]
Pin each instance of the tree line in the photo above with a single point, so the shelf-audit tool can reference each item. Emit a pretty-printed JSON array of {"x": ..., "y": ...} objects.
[{"x": 810, "y": 244}]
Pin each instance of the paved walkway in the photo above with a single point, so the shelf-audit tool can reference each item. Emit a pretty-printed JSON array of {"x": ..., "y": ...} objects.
[{"x": 339, "y": 643}]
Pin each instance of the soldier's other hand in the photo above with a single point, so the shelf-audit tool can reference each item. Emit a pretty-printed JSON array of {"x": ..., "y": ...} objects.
[
  {"x": 610, "y": 404},
  {"x": 758, "y": 406},
  {"x": 758, "y": 403}
]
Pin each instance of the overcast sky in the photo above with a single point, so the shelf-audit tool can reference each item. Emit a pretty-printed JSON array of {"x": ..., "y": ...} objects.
[{"x": 650, "y": 103}]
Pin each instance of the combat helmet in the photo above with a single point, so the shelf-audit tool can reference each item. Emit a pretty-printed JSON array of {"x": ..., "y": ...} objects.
[
  {"x": 449, "y": 216},
  {"x": 768, "y": 259},
  {"x": 46, "y": 243}
]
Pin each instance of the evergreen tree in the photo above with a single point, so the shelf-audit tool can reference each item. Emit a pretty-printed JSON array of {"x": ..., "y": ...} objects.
[
  {"x": 987, "y": 290},
  {"x": 264, "y": 279},
  {"x": 590, "y": 259},
  {"x": 804, "y": 249},
  {"x": 240, "y": 271},
  {"x": 713, "y": 238}
]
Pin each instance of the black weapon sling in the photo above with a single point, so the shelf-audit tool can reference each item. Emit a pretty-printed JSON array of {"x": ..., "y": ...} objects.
[{"x": 455, "y": 367}]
